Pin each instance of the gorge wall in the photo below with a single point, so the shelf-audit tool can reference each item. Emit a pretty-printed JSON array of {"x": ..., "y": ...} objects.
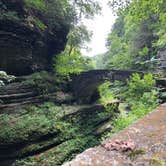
[{"x": 29, "y": 37}]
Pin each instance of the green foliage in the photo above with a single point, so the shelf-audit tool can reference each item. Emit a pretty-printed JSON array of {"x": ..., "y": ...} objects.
[
  {"x": 57, "y": 156},
  {"x": 78, "y": 36},
  {"x": 37, "y": 4},
  {"x": 163, "y": 96},
  {"x": 118, "y": 5},
  {"x": 138, "y": 86},
  {"x": 70, "y": 131},
  {"x": 60, "y": 11},
  {"x": 122, "y": 122},
  {"x": 141, "y": 96},
  {"x": 105, "y": 93},
  {"x": 44, "y": 82},
  {"x": 9, "y": 15},
  {"x": 39, "y": 24},
  {"x": 144, "y": 51},
  {"x": 136, "y": 152},
  {"x": 78, "y": 8},
  {"x": 34, "y": 122},
  {"x": 74, "y": 63},
  {"x": 156, "y": 162},
  {"x": 87, "y": 8},
  {"x": 66, "y": 65},
  {"x": 137, "y": 35},
  {"x": 71, "y": 60}
]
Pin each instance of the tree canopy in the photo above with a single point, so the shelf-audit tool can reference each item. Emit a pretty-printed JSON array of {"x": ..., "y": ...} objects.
[
  {"x": 71, "y": 59},
  {"x": 138, "y": 34}
]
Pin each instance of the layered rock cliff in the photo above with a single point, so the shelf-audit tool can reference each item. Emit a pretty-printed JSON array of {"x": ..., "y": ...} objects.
[
  {"x": 40, "y": 121},
  {"x": 30, "y": 35}
]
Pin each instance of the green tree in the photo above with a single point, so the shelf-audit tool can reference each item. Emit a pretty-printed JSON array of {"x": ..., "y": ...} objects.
[
  {"x": 71, "y": 59},
  {"x": 137, "y": 35},
  {"x": 66, "y": 64}
]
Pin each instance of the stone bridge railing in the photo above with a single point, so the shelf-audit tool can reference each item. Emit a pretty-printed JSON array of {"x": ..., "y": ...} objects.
[{"x": 84, "y": 86}]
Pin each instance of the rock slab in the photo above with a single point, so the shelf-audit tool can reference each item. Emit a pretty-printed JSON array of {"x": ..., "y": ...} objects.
[{"x": 149, "y": 136}]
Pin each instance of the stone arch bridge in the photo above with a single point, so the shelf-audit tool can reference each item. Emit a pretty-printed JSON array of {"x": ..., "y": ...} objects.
[{"x": 84, "y": 86}]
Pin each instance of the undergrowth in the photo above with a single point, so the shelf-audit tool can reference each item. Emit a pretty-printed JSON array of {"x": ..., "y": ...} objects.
[
  {"x": 140, "y": 96},
  {"x": 71, "y": 128},
  {"x": 45, "y": 82}
]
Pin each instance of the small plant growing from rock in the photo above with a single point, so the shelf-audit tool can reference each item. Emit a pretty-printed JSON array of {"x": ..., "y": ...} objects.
[
  {"x": 156, "y": 162},
  {"x": 136, "y": 153}
]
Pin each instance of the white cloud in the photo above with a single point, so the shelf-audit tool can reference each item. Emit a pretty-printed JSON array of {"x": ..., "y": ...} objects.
[{"x": 100, "y": 26}]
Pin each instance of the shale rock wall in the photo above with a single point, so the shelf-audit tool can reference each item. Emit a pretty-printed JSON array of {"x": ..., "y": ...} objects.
[{"x": 29, "y": 37}]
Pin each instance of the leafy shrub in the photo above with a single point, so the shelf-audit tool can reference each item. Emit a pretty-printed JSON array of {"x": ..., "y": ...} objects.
[
  {"x": 137, "y": 86},
  {"x": 75, "y": 131},
  {"x": 44, "y": 82},
  {"x": 74, "y": 63},
  {"x": 66, "y": 65},
  {"x": 105, "y": 93},
  {"x": 122, "y": 122},
  {"x": 141, "y": 96}
]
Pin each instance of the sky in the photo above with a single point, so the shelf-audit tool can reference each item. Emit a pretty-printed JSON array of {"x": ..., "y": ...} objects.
[{"x": 100, "y": 26}]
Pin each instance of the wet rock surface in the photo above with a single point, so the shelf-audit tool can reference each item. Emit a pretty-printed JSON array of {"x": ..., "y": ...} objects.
[{"x": 149, "y": 136}]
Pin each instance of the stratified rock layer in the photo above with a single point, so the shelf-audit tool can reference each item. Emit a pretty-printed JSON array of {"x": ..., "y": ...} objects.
[
  {"x": 38, "y": 121},
  {"x": 149, "y": 136},
  {"x": 28, "y": 41}
]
